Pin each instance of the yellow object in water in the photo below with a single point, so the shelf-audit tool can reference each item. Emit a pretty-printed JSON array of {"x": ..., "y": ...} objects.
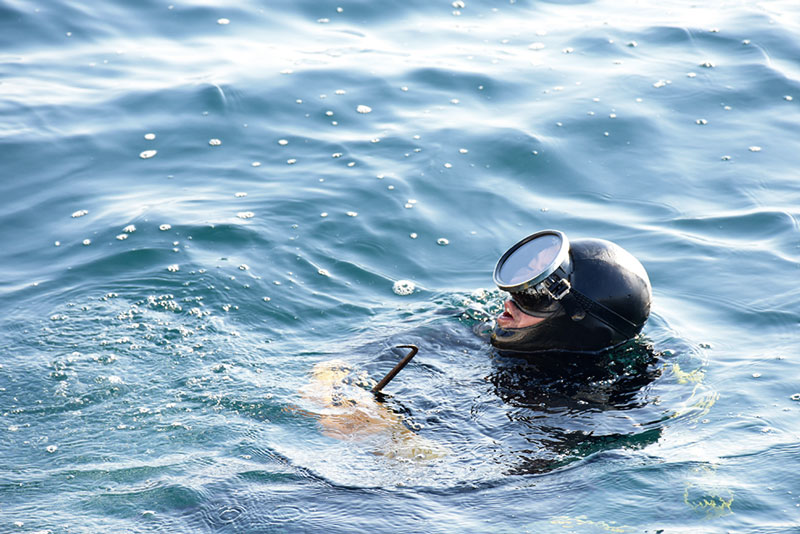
[{"x": 348, "y": 412}]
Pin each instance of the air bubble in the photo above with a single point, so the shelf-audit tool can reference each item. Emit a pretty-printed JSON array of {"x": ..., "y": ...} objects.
[
  {"x": 403, "y": 287},
  {"x": 283, "y": 142},
  {"x": 149, "y": 136},
  {"x": 240, "y": 195},
  {"x": 174, "y": 268},
  {"x": 701, "y": 122},
  {"x": 256, "y": 164},
  {"x": 324, "y": 272},
  {"x": 291, "y": 161},
  {"x": 147, "y": 154},
  {"x": 788, "y": 98},
  {"x": 122, "y": 237},
  {"x": 413, "y": 235},
  {"x": 755, "y": 149},
  {"x": 223, "y": 22},
  {"x": 129, "y": 229},
  {"x": 87, "y": 242},
  {"x": 443, "y": 241},
  {"x": 245, "y": 215},
  {"x": 52, "y": 448},
  {"x": 79, "y": 213},
  {"x": 323, "y": 214},
  {"x": 352, "y": 214},
  {"x": 214, "y": 142},
  {"x": 165, "y": 227},
  {"x": 364, "y": 109}
]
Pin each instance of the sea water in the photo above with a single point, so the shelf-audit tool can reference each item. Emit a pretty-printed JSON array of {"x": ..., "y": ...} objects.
[{"x": 202, "y": 201}]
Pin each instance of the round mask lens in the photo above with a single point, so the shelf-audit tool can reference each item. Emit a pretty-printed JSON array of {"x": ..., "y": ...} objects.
[{"x": 531, "y": 260}]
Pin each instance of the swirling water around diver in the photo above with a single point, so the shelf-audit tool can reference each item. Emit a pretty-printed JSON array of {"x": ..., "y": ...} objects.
[{"x": 201, "y": 203}]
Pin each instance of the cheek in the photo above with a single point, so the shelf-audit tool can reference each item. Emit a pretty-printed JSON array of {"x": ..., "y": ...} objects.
[{"x": 526, "y": 320}]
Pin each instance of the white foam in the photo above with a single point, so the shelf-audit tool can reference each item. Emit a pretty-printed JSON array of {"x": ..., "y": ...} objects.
[{"x": 403, "y": 287}]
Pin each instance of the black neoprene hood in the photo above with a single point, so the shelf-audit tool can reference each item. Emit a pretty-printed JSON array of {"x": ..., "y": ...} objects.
[{"x": 607, "y": 303}]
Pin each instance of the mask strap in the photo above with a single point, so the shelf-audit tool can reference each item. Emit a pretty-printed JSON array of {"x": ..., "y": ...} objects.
[{"x": 577, "y": 305}]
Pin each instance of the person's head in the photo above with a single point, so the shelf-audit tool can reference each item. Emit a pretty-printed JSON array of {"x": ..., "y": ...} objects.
[{"x": 584, "y": 296}]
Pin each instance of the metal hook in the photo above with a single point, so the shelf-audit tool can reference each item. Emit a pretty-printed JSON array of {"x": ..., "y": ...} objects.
[{"x": 397, "y": 368}]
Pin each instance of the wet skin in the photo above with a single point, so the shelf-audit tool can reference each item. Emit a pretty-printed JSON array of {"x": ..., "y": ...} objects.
[{"x": 513, "y": 317}]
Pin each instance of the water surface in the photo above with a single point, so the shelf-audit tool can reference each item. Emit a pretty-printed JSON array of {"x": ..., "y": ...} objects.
[{"x": 201, "y": 202}]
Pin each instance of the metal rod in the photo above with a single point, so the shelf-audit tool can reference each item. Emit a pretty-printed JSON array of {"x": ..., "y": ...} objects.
[{"x": 397, "y": 368}]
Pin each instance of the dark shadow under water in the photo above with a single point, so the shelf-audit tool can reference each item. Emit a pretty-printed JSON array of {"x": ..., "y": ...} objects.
[{"x": 551, "y": 390}]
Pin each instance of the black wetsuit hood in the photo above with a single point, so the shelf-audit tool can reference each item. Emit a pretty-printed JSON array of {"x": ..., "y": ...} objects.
[{"x": 609, "y": 276}]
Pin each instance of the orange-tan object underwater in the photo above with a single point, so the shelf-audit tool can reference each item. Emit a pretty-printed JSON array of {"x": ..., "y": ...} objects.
[{"x": 346, "y": 411}]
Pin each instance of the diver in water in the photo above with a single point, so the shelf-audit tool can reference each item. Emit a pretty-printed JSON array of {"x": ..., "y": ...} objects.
[
  {"x": 578, "y": 298},
  {"x": 566, "y": 355},
  {"x": 588, "y": 295}
]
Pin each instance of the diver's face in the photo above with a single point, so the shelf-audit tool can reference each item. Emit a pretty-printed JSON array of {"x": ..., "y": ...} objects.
[{"x": 513, "y": 317}]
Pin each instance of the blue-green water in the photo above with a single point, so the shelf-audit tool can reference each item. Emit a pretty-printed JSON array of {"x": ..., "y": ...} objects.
[{"x": 161, "y": 315}]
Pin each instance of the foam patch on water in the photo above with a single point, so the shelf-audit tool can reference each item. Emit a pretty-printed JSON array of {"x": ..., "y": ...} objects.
[{"x": 403, "y": 287}]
